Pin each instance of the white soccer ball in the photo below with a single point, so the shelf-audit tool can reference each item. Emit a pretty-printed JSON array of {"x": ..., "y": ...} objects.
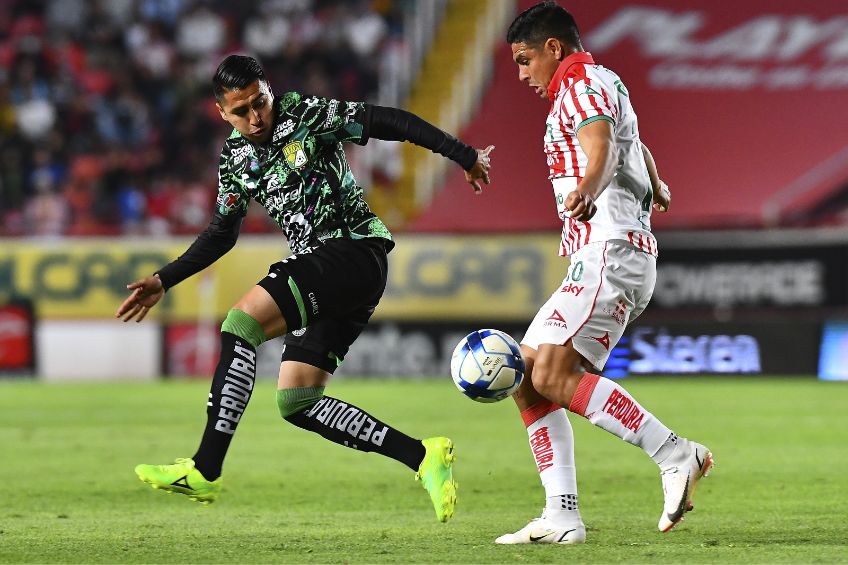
[{"x": 487, "y": 365}]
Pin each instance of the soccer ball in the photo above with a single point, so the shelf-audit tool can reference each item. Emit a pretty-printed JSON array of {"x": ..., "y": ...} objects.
[{"x": 487, "y": 365}]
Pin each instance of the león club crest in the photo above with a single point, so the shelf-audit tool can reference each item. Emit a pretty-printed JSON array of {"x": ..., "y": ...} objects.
[{"x": 294, "y": 154}]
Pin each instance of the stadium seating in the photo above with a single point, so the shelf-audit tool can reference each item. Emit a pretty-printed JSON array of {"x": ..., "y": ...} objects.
[{"x": 746, "y": 136}]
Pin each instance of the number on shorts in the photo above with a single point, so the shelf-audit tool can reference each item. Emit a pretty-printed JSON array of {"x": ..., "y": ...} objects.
[{"x": 575, "y": 271}]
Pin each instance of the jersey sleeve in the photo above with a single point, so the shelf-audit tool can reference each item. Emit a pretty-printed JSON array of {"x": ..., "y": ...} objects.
[
  {"x": 333, "y": 121},
  {"x": 233, "y": 197},
  {"x": 586, "y": 102}
]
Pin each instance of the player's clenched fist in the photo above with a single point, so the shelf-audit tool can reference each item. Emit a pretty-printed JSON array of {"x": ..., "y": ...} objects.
[
  {"x": 145, "y": 294},
  {"x": 662, "y": 198},
  {"x": 480, "y": 170},
  {"x": 581, "y": 206}
]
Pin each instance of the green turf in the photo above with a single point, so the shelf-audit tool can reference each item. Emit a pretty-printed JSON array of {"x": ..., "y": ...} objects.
[{"x": 68, "y": 493}]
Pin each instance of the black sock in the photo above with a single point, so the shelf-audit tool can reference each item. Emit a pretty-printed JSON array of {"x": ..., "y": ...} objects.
[
  {"x": 350, "y": 426},
  {"x": 228, "y": 398}
]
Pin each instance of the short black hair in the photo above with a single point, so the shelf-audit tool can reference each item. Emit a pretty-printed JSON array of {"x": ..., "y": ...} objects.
[
  {"x": 236, "y": 72},
  {"x": 538, "y": 23}
]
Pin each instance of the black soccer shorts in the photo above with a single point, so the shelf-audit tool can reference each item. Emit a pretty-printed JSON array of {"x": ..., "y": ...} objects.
[{"x": 327, "y": 297}]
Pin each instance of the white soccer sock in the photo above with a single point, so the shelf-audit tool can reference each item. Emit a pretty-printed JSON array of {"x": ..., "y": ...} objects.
[
  {"x": 607, "y": 405},
  {"x": 552, "y": 444}
]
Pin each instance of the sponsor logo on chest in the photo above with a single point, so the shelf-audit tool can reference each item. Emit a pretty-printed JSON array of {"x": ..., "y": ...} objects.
[
  {"x": 240, "y": 153},
  {"x": 283, "y": 129}
]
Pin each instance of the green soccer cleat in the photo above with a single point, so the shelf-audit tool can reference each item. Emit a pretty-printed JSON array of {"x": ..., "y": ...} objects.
[
  {"x": 437, "y": 477},
  {"x": 181, "y": 477}
]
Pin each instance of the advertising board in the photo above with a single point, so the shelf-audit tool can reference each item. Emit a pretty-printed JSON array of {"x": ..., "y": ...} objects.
[
  {"x": 697, "y": 347},
  {"x": 755, "y": 276},
  {"x": 430, "y": 277},
  {"x": 17, "y": 338}
]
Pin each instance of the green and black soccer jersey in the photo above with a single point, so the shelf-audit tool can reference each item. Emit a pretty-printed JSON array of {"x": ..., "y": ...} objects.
[{"x": 301, "y": 176}]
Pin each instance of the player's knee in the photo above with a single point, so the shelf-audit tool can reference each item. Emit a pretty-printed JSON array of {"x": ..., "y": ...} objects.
[
  {"x": 291, "y": 401},
  {"x": 245, "y": 326},
  {"x": 543, "y": 380}
]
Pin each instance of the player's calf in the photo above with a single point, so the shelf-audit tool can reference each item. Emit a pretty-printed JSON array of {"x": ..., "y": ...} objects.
[{"x": 348, "y": 425}]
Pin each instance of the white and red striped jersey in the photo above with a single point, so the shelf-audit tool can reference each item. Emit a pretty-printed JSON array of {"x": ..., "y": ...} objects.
[{"x": 582, "y": 92}]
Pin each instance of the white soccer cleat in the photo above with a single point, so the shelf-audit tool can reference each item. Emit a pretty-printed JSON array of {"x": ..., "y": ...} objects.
[
  {"x": 543, "y": 530},
  {"x": 680, "y": 475}
]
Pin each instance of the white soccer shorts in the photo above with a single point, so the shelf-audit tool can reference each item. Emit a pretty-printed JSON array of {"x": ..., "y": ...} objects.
[{"x": 607, "y": 285}]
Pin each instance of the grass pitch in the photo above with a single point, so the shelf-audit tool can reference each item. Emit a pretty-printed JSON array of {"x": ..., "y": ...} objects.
[{"x": 68, "y": 493}]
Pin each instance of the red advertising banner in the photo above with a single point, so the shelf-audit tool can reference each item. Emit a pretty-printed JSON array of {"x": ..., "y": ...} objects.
[
  {"x": 16, "y": 338},
  {"x": 191, "y": 350},
  {"x": 742, "y": 107}
]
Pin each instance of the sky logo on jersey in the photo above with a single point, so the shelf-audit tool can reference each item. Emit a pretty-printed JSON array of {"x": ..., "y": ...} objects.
[
  {"x": 572, "y": 288},
  {"x": 294, "y": 154}
]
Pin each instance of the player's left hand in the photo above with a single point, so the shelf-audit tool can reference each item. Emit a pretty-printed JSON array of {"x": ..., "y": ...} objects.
[
  {"x": 662, "y": 198},
  {"x": 480, "y": 170},
  {"x": 582, "y": 206}
]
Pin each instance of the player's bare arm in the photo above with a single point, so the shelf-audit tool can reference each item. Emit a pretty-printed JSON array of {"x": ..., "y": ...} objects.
[
  {"x": 597, "y": 141},
  {"x": 480, "y": 170},
  {"x": 662, "y": 196}
]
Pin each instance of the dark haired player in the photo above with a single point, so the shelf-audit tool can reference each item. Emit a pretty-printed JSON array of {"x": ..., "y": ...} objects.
[
  {"x": 605, "y": 183},
  {"x": 286, "y": 153}
]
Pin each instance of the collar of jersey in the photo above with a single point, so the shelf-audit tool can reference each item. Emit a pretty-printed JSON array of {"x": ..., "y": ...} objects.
[{"x": 565, "y": 70}]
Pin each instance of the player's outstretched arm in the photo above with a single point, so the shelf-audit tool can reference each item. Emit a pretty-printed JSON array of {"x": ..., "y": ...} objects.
[
  {"x": 213, "y": 243},
  {"x": 662, "y": 195},
  {"x": 145, "y": 294},
  {"x": 394, "y": 124}
]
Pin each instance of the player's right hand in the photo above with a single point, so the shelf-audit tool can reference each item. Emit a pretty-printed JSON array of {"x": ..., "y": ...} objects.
[
  {"x": 480, "y": 170},
  {"x": 662, "y": 198},
  {"x": 145, "y": 294},
  {"x": 580, "y": 206}
]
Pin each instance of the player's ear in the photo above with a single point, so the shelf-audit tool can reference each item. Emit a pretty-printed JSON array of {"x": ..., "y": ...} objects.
[
  {"x": 555, "y": 47},
  {"x": 221, "y": 111}
]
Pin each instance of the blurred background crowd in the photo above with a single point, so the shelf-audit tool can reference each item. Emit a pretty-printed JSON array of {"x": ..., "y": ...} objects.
[{"x": 107, "y": 120}]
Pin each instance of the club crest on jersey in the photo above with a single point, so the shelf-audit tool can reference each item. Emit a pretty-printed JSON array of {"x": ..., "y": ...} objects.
[
  {"x": 227, "y": 202},
  {"x": 294, "y": 154}
]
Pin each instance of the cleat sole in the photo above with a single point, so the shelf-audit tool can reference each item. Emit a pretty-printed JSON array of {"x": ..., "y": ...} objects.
[{"x": 449, "y": 498}]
